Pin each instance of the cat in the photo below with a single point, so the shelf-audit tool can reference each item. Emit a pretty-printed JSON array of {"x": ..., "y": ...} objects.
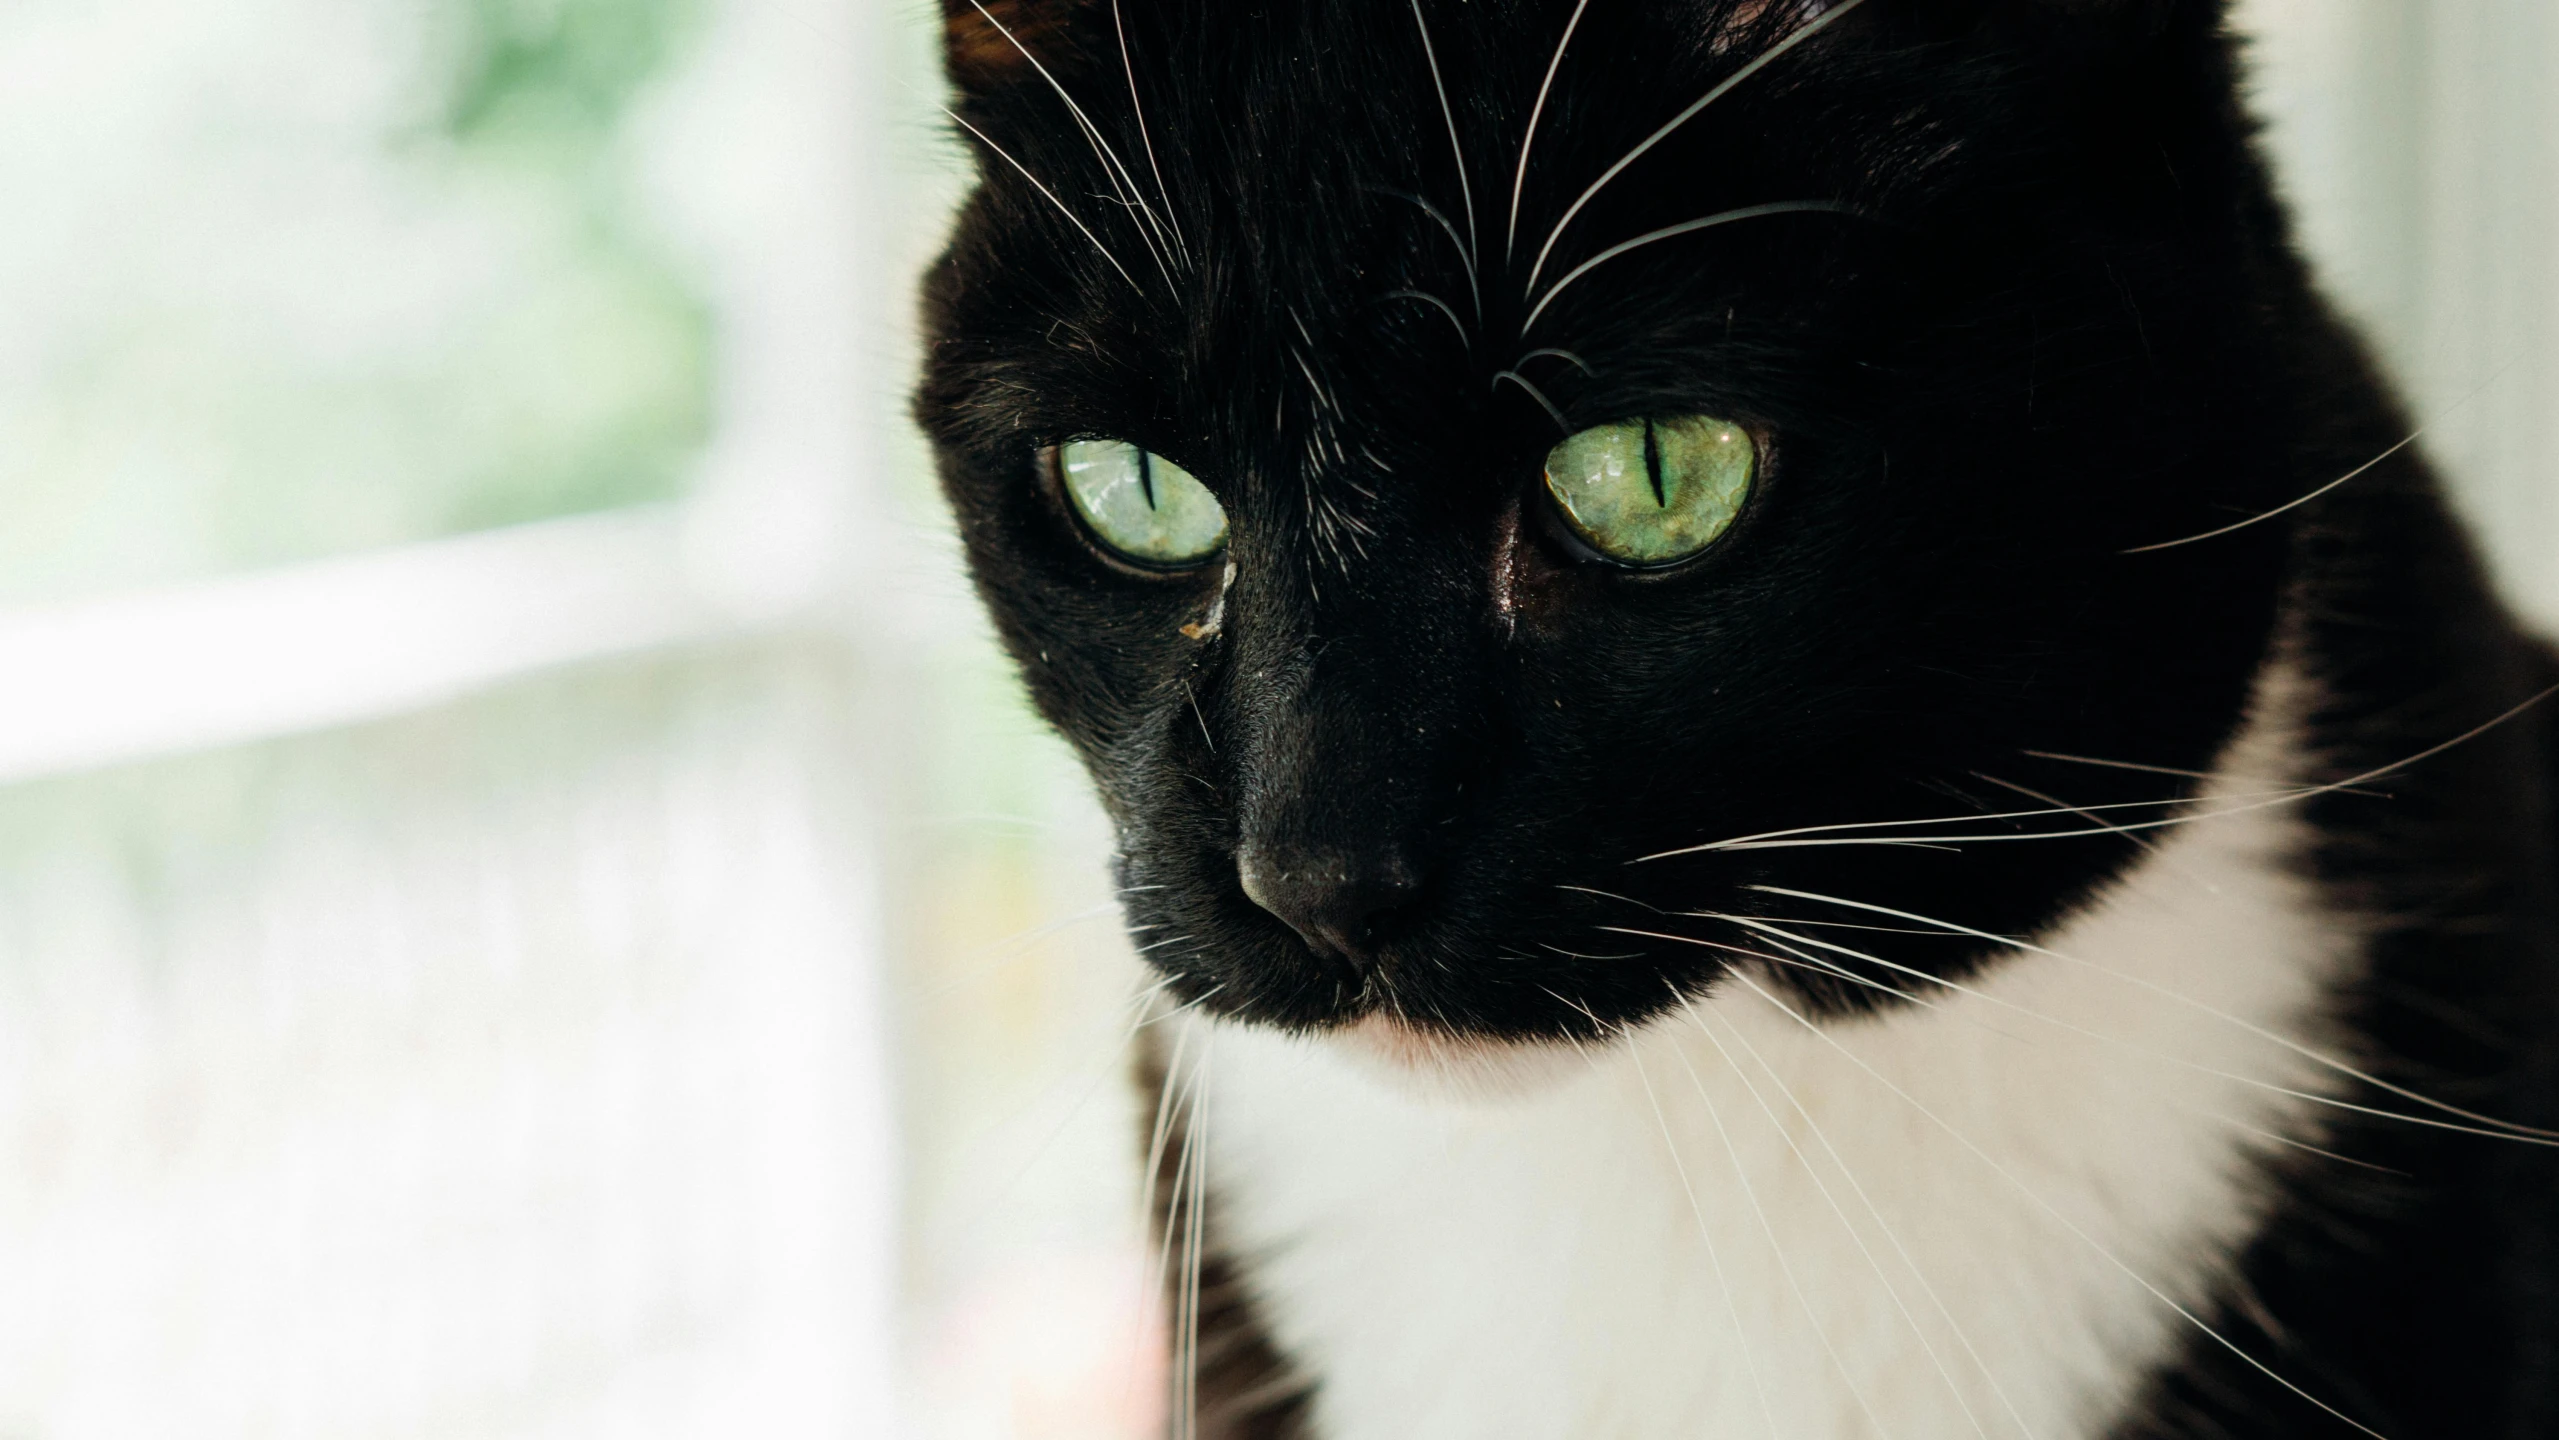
[{"x": 1799, "y": 745}]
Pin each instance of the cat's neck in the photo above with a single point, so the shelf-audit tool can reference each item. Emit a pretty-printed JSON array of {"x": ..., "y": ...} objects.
[{"x": 1978, "y": 1218}]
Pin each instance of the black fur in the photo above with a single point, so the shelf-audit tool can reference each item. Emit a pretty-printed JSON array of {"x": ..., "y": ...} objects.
[{"x": 2058, "y": 317}]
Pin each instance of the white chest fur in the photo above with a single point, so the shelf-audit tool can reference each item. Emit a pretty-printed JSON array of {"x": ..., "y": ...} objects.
[{"x": 1962, "y": 1221}]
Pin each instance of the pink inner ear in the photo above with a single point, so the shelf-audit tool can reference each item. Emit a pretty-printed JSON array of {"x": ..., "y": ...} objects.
[
  {"x": 1748, "y": 13},
  {"x": 975, "y": 47}
]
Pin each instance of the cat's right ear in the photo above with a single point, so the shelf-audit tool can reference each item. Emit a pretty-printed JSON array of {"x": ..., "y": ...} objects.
[
  {"x": 988, "y": 45},
  {"x": 2098, "y": 24}
]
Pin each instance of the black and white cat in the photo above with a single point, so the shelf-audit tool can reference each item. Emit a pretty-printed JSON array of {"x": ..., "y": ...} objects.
[{"x": 1802, "y": 752}]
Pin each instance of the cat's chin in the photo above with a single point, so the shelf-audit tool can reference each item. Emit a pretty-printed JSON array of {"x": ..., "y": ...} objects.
[{"x": 1440, "y": 1066}]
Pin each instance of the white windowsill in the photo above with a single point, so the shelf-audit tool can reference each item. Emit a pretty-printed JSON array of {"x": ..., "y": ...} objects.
[{"x": 309, "y": 646}]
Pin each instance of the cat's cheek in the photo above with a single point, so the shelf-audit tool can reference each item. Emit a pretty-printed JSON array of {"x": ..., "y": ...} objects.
[{"x": 1460, "y": 1069}]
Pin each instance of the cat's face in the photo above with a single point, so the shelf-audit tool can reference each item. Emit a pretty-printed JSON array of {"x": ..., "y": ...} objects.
[{"x": 1254, "y": 403}]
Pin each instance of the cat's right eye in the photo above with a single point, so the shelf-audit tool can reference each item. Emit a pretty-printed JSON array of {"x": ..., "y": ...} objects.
[
  {"x": 1649, "y": 493},
  {"x": 1141, "y": 506}
]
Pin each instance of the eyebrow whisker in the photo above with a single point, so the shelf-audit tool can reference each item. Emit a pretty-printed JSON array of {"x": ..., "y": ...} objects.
[
  {"x": 1464, "y": 258},
  {"x": 1535, "y": 394},
  {"x": 1798, "y": 36},
  {"x": 1567, "y": 356},
  {"x": 1465, "y": 186},
  {"x": 1519, "y": 182},
  {"x": 1443, "y": 307},
  {"x": 1685, "y": 227},
  {"x": 1072, "y": 218},
  {"x": 1146, "y": 136},
  {"x": 1112, "y": 169}
]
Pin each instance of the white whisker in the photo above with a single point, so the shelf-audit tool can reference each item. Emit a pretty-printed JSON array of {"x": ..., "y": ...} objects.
[
  {"x": 1196, "y": 712},
  {"x": 2290, "y": 1143},
  {"x": 1705, "y": 1234},
  {"x": 1444, "y": 307},
  {"x": 1918, "y": 1332},
  {"x": 1613, "y": 895},
  {"x": 1579, "y": 955},
  {"x": 1667, "y": 232},
  {"x": 1146, "y": 138},
  {"x": 1750, "y": 1193},
  {"x": 1535, "y": 394},
  {"x": 2038, "y": 796},
  {"x": 1160, "y": 1276},
  {"x": 2419, "y": 434},
  {"x": 2431, "y": 751},
  {"x": 2500, "y": 1129},
  {"x": 1536, "y": 112},
  {"x": 1012, "y": 949},
  {"x": 2296, "y": 504},
  {"x": 1177, "y": 1205},
  {"x": 1197, "y": 1137},
  {"x": 1763, "y": 835},
  {"x": 2063, "y": 1220},
  {"x": 2350, "y": 785},
  {"x": 2141, "y": 769},
  {"x": 1152, "y": 1191},
  {"x": 1140, "y": 1002},
  {"x": 1871, "y": 929},
  {"x": 1957, "y": 842},
  {"x": 1464, "y": 257},
  {"x": 1112, "y": 170},
  {"x": 1801, "y": 962},
  {"x": 1566, "y": 356},
  {"x": 2238, "y": 804},
  {"x": 2518, "y": 1134},
  {"x": 1800, "y": 34},
  {"x": 1071, "y": 217},
  {"x": 1833, "y": 967},
  {"x": 1163, "y": 1131},
  {"x": 1465, "y": 186},
  {"x": 1197, "y": 1002}
]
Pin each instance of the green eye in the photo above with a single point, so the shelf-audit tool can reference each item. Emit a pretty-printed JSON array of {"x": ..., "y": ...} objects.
[
  {"x": 1140, "y": 504},
  {"x": 1648, "y": 492}
]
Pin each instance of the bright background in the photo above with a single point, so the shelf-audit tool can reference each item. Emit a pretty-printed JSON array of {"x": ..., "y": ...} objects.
[{"x": 528, "y": 905}]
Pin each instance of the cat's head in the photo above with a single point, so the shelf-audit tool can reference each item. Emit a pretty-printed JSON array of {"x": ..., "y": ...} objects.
[{"x": 1509, "y": 498}]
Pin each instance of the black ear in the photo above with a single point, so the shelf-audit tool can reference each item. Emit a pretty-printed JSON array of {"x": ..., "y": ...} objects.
[
  {"x": 2067, "y": 31},
  {"x": 988, "y": 44},
  {"x": 2102, "y": 22}
]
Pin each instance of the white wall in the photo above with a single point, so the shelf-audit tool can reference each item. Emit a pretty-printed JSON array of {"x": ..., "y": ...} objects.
[{"x": 2420, "y": 140}]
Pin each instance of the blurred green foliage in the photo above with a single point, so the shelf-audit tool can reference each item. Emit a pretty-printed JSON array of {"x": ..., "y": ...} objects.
[
  {"x": 560, "y": 69},
  {"x": 541, "y": 89},
  {"x": 317, "y": 276}
]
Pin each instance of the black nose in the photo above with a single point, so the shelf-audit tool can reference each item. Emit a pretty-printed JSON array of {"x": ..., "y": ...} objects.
[{"x": 1340, "y": 904}]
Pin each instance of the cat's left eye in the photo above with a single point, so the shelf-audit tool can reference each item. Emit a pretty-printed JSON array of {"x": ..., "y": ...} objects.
[
  {"x": 1141, "y": 505},
  {"x": 1653, "y": 492}
]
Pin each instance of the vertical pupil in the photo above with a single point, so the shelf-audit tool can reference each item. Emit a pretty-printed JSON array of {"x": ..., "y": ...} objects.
[
  {"x": 1146, "y": 476},
  {"x": 1653, "y": 465}
]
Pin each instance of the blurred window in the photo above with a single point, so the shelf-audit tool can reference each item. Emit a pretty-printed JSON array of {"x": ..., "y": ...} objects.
[
  {"x": 291, "y": 278},
  {"x": 440, "y": 945},
  {"x": 530, "y": 904}
]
